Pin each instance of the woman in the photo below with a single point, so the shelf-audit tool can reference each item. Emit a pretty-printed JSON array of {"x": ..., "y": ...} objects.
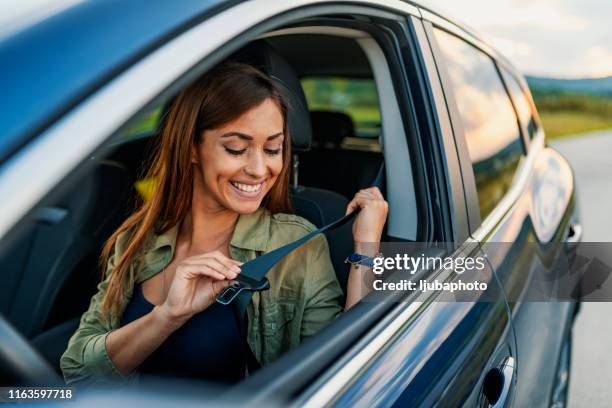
[{"x": 221, "y": 199}]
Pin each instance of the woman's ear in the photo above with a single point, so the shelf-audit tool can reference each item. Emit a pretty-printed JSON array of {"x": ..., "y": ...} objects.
[{"x": 194, "y": 155}]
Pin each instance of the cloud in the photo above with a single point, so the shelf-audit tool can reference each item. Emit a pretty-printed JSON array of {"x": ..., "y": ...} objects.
[
  {"x": 562, "y": 38},
  {"x": 598, "y": 59}
]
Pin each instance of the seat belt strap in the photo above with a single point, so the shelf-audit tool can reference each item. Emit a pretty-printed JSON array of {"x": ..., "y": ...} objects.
[
  {"x": 253, "y": 273},
  {"x": 252, "y": 277}
]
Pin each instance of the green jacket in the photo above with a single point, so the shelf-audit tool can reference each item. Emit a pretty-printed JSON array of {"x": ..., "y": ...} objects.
[{"x": 304, "y": 294}]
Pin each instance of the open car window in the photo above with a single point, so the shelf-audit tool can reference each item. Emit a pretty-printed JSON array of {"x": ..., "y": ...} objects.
[{"x": 58, "y": 271}]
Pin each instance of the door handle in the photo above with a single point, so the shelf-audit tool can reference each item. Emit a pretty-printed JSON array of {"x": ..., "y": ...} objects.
[
  {"x": 574, "y": 236},
  {"x": 498, "y": 383}
]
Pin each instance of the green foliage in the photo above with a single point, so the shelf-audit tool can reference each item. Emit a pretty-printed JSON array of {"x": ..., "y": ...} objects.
[
  {"x": 356, "y": 97},
  {"x": 555, "y": 101},
  {"x": 565, "y": 113}
]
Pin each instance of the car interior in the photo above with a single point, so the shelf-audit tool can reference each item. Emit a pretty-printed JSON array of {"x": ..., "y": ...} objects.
[{"x": 52, "y": 270}]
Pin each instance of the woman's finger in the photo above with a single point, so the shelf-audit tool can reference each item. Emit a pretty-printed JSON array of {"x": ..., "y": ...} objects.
[
  {"x": 355, "y": 203},
  {"x": 218, "y": 261},
  {"x": 213, "y": 264},
  {"x": 229, "y": 263},
  {"x": 372, "y": 192},
  {"x": 218, "y": 286},
  {"x": 376, "y": 191},
  {"x": 221, "y": 267},
  {"x": 193, "y": 271},
  {"x": 211, "y": 254}
]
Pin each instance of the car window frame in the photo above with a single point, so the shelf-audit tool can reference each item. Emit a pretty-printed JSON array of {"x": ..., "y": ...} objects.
[
  {"x": 467, "y": 170},
  {"x": 480, "y": 229}
]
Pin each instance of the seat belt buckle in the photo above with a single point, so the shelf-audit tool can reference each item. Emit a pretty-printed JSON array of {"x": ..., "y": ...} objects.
[{"x": 241, "y": 284}]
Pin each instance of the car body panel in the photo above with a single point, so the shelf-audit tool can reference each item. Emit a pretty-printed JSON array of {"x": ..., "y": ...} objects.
[
  {"x": 527, "y": 249},
  {"x": 524, "y": 240},
  {"x": 440, "y": 357},
  {"x": 42, "y": 81}
]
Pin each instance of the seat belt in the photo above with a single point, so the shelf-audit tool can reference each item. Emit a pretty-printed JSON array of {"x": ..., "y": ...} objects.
[{"x": 252, "y": 277}]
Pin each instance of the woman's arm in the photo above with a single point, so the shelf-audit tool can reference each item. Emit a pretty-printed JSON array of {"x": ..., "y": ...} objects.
[
  {"x": 367, "y": 232},
  {"x": 131, "y": 344},
  {"x": 360, "y": 278},
  {"x": 323, "y": 293},
  {"x": 101, "y": 352}
]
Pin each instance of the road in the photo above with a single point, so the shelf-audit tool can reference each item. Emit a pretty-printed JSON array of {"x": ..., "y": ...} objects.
[{"x": 591, "y": 375}]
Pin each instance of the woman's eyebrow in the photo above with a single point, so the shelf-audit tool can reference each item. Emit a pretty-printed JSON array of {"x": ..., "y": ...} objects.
[{"x": 247, "y": 137}]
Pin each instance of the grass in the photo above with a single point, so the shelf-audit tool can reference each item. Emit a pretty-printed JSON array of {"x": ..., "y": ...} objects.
[
  {"x": 566, "y": 114},
  {"x": 568, "y": 123}
]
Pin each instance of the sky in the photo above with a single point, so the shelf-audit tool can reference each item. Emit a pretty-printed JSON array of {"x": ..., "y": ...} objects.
[{"x": 554, "y": 38}]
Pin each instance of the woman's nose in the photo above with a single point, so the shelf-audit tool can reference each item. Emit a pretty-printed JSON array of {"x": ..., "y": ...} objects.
[{"x": 256, "y": 167}]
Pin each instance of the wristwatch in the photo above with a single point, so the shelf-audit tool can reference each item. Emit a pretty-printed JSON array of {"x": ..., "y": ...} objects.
[{"x": 356, "y": 259}]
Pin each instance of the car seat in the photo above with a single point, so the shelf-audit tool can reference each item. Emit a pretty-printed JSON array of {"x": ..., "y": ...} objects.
[{"x": 319, "y": 206}]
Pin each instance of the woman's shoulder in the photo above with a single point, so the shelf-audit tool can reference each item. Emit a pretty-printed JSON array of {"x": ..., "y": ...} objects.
[
  {"x": 286, "y": 228},
  {"x": 292, "y": 223}
]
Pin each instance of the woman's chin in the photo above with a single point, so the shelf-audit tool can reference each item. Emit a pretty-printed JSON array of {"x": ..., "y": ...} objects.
[{"x": 245, "y": 207}]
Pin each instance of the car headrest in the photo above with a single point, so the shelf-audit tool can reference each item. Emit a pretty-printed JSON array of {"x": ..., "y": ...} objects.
[
  {"x": 263, "y": 57},
  {"x": 331, "y": 127}
]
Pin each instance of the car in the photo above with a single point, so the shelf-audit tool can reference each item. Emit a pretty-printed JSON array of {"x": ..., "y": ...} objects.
[{"x": 370, "y": 82}]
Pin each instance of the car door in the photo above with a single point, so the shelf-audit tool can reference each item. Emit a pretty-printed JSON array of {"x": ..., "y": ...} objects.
[
  {"x": 520, "y": 202},
  {"x": 428, "y": 350}
]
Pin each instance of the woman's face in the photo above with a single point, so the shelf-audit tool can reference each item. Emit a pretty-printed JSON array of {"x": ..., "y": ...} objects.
[{"x": 239, "y": 162}]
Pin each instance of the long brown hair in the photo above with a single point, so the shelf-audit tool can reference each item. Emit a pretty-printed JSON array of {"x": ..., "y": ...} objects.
[{"x": 220, "y": 96}]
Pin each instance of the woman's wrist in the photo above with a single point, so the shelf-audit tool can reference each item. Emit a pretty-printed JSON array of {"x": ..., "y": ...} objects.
[
  {"x": 370, "y": 249},
  {"x": 165, "y": 320}
]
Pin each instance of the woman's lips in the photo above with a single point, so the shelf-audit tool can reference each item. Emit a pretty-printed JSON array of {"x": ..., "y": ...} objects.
[{"x": 247, "y": 190}]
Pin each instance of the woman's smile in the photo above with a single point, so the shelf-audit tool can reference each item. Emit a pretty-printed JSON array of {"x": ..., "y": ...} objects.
[{"x": 248, "y": 190}]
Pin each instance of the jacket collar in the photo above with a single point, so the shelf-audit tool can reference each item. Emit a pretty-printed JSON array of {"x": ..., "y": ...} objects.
[{"x": 252, "y": 232}]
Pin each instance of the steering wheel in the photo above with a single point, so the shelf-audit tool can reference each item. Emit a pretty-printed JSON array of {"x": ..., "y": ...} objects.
[{"x": 20, "y": 363}]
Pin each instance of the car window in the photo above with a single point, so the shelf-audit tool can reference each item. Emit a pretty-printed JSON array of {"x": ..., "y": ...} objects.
[
  {"x": 358, "y": 98},
  {"x": 491, "y": 128},
  {"x": 523, "y": 108},
  {"x": 145, "y": 124}
]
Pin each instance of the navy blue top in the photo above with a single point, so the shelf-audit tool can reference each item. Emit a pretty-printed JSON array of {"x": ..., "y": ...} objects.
[{"x": 208, "y": 346}]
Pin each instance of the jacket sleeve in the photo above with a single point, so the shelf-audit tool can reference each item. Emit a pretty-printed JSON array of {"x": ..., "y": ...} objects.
[
  {"x": 323, "y": 301},
  {"x": 86, "y": 361}
]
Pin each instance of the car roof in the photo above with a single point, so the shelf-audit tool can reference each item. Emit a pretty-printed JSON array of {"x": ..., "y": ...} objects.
[{"x": 50, "y": 65}]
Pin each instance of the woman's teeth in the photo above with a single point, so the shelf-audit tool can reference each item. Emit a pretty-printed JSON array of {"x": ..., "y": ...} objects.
[{"x": 249, "y": 188}]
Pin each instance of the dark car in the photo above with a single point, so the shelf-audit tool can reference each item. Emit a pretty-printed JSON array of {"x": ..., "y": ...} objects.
[{"x": 370, "y": 82}]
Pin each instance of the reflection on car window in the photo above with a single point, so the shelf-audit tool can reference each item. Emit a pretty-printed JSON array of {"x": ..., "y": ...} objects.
[
  {"x": 356, "y": 97},
  {"x": 490, "y": 124},
  {"x": 144, "y": 124},
  {"x": 523, "y": 109}
]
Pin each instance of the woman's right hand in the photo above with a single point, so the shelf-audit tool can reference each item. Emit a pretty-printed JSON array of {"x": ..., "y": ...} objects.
[{"x": 197, "y": 282}]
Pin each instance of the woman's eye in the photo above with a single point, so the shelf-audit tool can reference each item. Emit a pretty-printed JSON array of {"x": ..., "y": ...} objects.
[
  {"x": 235, "y": 152},
  {"x": 272, "y": 152}
]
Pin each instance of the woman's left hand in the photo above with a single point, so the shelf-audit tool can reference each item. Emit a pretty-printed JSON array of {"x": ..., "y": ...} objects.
[{"x": 371, "y": 219}]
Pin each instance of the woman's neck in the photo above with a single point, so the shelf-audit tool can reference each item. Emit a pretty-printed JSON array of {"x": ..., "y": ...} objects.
[{"x": 205, "y": 231}]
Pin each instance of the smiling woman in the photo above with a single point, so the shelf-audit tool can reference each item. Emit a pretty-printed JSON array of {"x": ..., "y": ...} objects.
[
  {"x": 221, "y": 198},
  {"x": 255, "y": 162}
]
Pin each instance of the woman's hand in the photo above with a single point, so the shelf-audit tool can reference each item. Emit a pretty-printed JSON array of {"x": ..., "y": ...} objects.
[
  {"x": 370, "y": 221},
  {"x": 197, "y": 282}
]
